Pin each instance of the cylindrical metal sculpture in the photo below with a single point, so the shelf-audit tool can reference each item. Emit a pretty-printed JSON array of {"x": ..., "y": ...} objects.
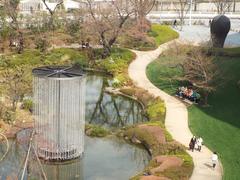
[{"x": 59, "y": 112}]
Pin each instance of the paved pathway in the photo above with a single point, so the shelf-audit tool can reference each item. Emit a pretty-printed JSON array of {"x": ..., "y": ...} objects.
[
  {"x": 199, "y": 34},
  {"x": 176, "y": 114}
]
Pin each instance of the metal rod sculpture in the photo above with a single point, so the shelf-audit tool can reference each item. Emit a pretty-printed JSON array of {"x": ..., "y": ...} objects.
[{"x": 59, "y": 112}]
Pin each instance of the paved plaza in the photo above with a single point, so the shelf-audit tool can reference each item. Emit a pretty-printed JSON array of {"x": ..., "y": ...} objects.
[{"x": 198, "y": 34}]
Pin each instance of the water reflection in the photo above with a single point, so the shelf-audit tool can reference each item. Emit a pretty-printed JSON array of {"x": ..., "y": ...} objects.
[
  {"x": 104, "y": 158},
  {"x": 107, "y": 110}
]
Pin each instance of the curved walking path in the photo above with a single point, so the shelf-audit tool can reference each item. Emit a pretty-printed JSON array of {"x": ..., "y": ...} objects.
[{"x": 176, "y": 120}]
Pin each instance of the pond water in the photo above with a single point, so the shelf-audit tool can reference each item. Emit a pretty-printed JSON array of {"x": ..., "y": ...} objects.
[
  {"x": 108, "y": 110},
  {"x": 104, "y": 158}
]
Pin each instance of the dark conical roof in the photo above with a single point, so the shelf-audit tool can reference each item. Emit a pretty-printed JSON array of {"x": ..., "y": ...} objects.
[{"x": 57, "y": 72}]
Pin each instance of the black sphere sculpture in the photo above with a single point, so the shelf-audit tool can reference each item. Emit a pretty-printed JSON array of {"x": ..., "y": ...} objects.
[{"x": 220, "y": 27}]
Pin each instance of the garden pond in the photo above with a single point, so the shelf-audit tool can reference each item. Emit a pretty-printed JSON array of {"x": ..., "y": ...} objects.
[{"x": 104, "y": 158}]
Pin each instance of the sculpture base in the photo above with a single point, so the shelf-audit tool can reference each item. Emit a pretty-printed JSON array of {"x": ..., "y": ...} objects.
[{"x": 58, "y": 156}]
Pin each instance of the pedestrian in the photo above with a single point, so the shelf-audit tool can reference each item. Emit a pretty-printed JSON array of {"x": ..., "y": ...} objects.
[
  {"x": 192, "y": 143},
  {"x": 175, "y": 23},
  {"x": 214, "y": 159},
  {"x": 83, "y": 45},
  {"x": 210, "y": 22},
  {"x": 199, "y": 143}
]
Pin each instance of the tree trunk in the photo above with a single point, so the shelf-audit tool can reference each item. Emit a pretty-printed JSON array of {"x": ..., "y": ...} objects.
[
  {"x": 107, "y": 45},
  {"x": 181, "y": 21},
  {"x": 195, "y": 5},
  {"x": 205, "y": 99},
  {"x": 106, "y": 51},
  {"x": 234, "y": 5},
  {"x": 20, "y": 45},
  {"x": 14, "y": 105}
]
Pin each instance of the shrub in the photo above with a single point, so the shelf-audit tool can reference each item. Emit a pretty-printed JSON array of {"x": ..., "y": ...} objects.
[
  {"x": 28, "y": 57},
  {"x": 42, "y": 44},
  {"x": 156, "y": 110},
  {"x": 3, "y": 109},
  {"x": 138, "y": 41},
  {"x": 120, "y": 80},
  {"x": 9, "y": 116},
  {"x": 73, "y": 27},
  {"x": 95, "y": 130},
  {"x": 27, "y": 104},
  {"x": 117, "y": 65},
  {"x": 66, "y": 56}
]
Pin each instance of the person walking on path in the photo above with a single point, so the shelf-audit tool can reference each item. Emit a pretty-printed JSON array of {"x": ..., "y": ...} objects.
[
  {"x": 214, "y": 159},
  {"x": 210, "y": 22},
  {"x": 192, "y": 143},
  {"x": 175, "y": 23},
  {"x": 199, "y": 143}
]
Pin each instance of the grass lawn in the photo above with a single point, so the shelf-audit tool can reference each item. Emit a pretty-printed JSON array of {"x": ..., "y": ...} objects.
[
  {"x": 157, "y": 35},
  {"x": 218, "y": 124},
  {"x": 231, "y": 52},
  {"x": 162, "y": 33}
]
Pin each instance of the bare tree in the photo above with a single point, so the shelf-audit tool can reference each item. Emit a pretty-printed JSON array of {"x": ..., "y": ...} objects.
[
  {"x": 234, "y": 6},
  {"x": 224, "y": 5},
  {"x": 4, "y": 28},
  {"x": 52, "y": 12},
  {"x": 181, "y": 8},
  {"x": 11, "y": 9},
  {"x": 142, "y": 8},
  {"x": 16, "y": 82},
  {"x": 201, "y": 71},
  {"x": 108, "y": 20}
]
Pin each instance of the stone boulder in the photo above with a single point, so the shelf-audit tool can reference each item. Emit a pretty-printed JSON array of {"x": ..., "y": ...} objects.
[
  {"x": 166, "y": 162},
  {"x": 219, "y": 28}
]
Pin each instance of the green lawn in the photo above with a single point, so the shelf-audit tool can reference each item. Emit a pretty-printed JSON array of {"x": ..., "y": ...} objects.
[
  {"x": 231, "y": 52},
  {"x": 162, "y": 33},
  {"x": 218, "y": 124},
  {"x": 157, "y": 35}
]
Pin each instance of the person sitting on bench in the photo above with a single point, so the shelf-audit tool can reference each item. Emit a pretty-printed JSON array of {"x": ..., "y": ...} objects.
[{"x": 188, "y": 93}]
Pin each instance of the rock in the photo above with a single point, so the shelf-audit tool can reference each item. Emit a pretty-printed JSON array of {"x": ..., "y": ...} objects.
[
  {"x": 4, "y": 126},
  {"x": 112, "y": 90},
  {"x": 156, "y": 131},
  {"x": 151, "y": 177},
  {"x": 88, "y": 132},
  {"x": 166, "y": 162},
  {"x": 23, "y": 125},
  {"x": 220, "y": 27},
  {"x": 11, "y": 133},
  {"x": 121, "y": 134},
  {"x": 135, "y": 140}
]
